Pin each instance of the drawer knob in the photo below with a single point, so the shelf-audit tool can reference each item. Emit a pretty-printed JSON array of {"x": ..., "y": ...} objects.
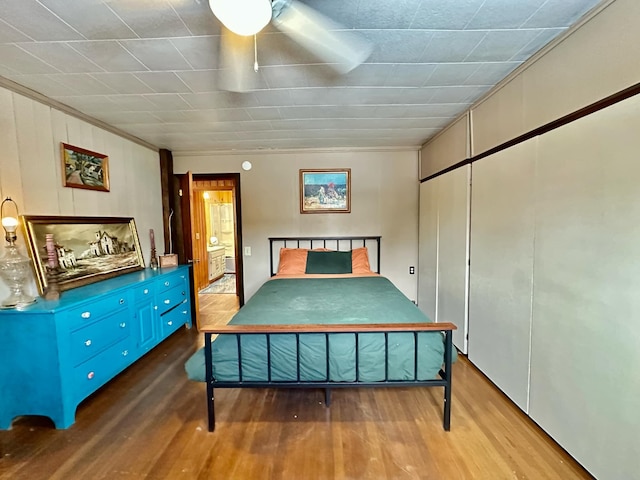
[
  {"x": 85, "y": 314},
  {"x": 167, "y": 301},
  {"x": 125, "y": 353},
  {"x": 145, "y": 291},
  {"x": 87, "y": 343},
  {"x": 155, "y": 307},
  {"x": 123, "y": 324},
  {"x": 166, "y": 284},
  {"x": 121, "y": 301},
  {"x": 90, "y": 375},
  {"x": 183, "y": 293},
  {"x": 170, "y": 322},
  {"x": 184, "y": 312}
]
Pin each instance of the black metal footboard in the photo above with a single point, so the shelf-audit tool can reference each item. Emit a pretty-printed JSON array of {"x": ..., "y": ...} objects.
[{"x": 327, "y": 384}]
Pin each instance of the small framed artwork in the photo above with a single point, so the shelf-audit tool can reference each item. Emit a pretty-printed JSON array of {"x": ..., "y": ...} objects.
[
  {"x": 83, "y": 168},
  {"x": 325, "y": 191},
  {"x": 83, "y": 250}
]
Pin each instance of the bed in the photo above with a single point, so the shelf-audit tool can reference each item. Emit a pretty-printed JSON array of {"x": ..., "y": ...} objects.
[{"x": 326, "y": 319}]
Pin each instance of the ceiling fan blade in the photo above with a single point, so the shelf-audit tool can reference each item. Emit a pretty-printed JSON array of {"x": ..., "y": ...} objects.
[
  {"x": 330, "y": 42},
  {"x": 235, "y": 72}
]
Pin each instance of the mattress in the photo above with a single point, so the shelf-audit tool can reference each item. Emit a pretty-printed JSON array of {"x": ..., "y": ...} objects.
[{"x": 351, "y": 300}]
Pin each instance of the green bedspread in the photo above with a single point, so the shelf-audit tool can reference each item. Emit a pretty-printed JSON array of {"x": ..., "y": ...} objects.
[{"x": 325, "y": 301}]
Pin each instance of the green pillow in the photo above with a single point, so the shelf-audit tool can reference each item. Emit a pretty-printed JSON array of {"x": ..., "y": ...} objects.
[{"x": 328, "y": 262}]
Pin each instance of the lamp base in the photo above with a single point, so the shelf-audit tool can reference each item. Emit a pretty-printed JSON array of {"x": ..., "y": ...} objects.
[{"x": 15, "y": 270}]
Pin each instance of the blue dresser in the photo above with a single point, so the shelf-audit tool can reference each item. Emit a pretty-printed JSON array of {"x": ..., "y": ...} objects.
[{"x": 56, "y": 353}]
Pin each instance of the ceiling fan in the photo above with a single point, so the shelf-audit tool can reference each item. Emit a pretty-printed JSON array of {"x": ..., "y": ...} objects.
[{"x": 333, "y": 44}]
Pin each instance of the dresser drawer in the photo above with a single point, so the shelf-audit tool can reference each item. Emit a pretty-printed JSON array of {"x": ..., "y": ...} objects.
[
  {"x": 171, "y": 281},
  {"x": 174, "y": 319},
  {"x": 170, "y": 298},
  {"x": 92, "y": 339},
  {"x": 95, "y": 372},
  {"x": 89, "y": 312},
  {"x": 143, "y": 292}
]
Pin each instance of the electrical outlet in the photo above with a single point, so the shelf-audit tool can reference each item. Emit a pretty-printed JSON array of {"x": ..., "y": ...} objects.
[
  {"x": 412, "y": 270},
  {"x": 247, "y": 251}
]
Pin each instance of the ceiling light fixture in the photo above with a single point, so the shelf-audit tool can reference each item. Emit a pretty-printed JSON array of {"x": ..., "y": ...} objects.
[{"x": 243, "y": 17}]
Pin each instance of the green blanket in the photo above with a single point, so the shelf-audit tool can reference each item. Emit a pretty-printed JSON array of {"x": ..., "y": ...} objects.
[{"x": 351, "y": 300}]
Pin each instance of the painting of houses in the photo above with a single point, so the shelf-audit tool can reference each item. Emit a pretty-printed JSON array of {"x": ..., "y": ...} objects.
[{"x": 88, "y": 249}]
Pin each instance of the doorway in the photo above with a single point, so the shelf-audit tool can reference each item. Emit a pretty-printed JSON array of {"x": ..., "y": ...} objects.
[{"x": 212, "y": 232}]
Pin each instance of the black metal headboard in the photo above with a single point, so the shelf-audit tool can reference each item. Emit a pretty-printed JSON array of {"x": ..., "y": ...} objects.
[{"x": 332, "y": 243}]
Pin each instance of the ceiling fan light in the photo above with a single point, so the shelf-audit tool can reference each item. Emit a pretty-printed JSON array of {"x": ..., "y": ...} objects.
[{"x": 243, "y": 17}]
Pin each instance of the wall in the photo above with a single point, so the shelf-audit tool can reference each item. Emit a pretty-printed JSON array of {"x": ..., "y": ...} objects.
[
  {"x": 554, "y": 233},
  {"x": 30, "y": 170},
  {"x": 384, "y": 201}
]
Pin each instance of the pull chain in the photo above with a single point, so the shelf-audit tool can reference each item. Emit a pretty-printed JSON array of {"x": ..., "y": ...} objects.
[{"x": 255, "y": 54}]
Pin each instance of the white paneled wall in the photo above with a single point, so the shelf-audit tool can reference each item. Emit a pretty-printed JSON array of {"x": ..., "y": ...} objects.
[
  {"x": 384, "y": 201},
  {"x": 31, "y": 169},
  {"x": 444, "y": 223}
]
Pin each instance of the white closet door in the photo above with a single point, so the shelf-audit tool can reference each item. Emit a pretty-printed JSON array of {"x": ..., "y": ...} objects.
[
  {"x": 585, "y": 355},
  {"x": 428, "y": 249},
  {"x": 502, "y": 225},
  {"x": 453, "y": 215}
]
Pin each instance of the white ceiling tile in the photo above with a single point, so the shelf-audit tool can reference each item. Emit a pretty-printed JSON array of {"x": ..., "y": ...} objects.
[
  {"x": 536, "y": 43},
  {"x": 409, "y": 74},
  {"x": 264, "y": 113},
  {"x": 501, "y": 45},
  {"x": 496, "y": 14},
  {"x": 109, "y": 55},
  {"x": 124, "y": 83},
  {"x": 82, "y": 83},
  {"x": 63, "y": 56},
  {"x": 451, "y": 46},
  {"x": 35, "y": 21},
  {"x": 8, "y": 34},
  {"x": 200, "y": 81},
  {"x": 398, "y": 46},
  {"x": 93, "y": 19},
  {"x": 448, "y": 74},
  {"x": 447, "y": 15},
  {"x": 168, "y": 101},
  {"x": 197, "y": 17},
  {"x": 159, "y": 54},
  {"x": 200, "y": 52},
  {"x": 43, "y": 84},
  {"x": 22, "y": 61},
  {"x": 559, "y": 13},
  {"x": 150, "y": 18},
  {"x": 371, "y": 16},
  {"x": 123, "y": 118},
  {"x": 491, "y": 73},
  {"x": 163, "y": 82}
]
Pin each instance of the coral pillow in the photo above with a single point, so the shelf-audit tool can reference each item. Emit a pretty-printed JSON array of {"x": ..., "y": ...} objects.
[
  {"x": 360, "y": 260},
  {"x": 293, "y": 261}
]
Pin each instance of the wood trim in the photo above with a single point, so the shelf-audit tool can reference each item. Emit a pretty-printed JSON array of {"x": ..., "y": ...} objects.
[
  {"x": 332, "y": 328},
  {"x": 560, "y": 122}
]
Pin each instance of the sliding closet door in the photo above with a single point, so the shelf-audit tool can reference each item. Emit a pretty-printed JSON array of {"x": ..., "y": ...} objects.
[
  {"x": 453, "y": 225},
  {"x": 500, "y": 287},
  {"x": 443, "y": 251},
  {"x": 428, "y": 248},
  {"x": 585, "y": 356}
]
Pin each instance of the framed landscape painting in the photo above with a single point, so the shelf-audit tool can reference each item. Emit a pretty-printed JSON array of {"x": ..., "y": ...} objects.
[
  {"x": 87, "y": 249},
  {"x": 325, "y": 191},
  {"x": 83, "y": 168}
]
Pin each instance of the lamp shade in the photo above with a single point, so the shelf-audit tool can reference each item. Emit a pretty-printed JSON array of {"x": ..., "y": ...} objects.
[{"x": 243, "y": 17}]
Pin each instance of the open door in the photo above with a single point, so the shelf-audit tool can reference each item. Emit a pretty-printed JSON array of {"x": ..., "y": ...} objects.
[{"x": 189, "y": 235}]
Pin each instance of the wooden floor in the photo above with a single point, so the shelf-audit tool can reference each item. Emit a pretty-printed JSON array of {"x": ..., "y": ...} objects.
[{"x": 150, "y": 422}]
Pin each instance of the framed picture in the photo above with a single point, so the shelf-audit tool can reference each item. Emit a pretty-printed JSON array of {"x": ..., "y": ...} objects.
[
  {"x": 86, "y": 249},
  {"x": 84, "y": 169},
  {"x": 325, "y": 191}
]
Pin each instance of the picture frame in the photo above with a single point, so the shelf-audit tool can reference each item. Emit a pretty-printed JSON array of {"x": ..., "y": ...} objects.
[
  {"x": 82, "y": 168},
  {"x": 87, "y": 249},
  {"x": 325, "y": 190}
]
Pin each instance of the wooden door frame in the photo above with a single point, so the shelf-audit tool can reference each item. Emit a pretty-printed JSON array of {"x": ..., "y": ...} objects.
[{"x": 237, "y": 220}]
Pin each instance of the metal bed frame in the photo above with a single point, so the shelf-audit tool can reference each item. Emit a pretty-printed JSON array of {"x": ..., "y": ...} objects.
[{"x": 339, "y": 243}]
